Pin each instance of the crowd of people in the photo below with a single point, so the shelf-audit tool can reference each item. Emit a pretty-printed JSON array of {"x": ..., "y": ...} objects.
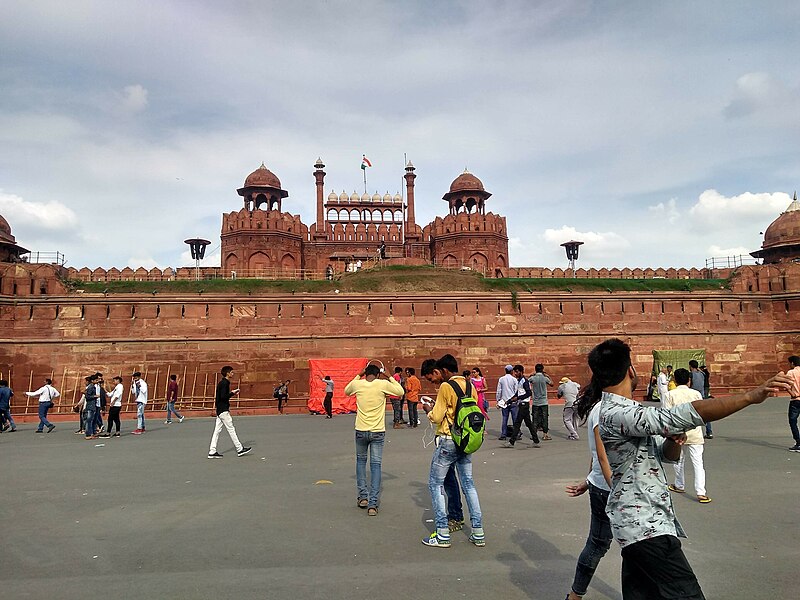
[{"x": 628, "y": 441}]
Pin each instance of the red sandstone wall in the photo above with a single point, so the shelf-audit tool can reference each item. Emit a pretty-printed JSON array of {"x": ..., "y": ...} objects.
[{"x": 747, "y": 336}]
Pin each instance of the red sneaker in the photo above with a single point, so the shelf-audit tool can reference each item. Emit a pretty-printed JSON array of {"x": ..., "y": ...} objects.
[{"x": 136, "y": 432}]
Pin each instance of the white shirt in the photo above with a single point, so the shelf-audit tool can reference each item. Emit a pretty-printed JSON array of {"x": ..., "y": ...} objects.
[
  {"x": 116, "y": 395},
  {"x": 142, "y": 395},
  {"x": 595, "y": 476},
  {"x": 46, "y": 393},
  {"x": 681, "y": 395},
  {"x": 662, "y": 383}
]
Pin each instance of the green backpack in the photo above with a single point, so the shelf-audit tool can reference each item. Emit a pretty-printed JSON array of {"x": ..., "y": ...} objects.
[{"x": 469, "y": 425}]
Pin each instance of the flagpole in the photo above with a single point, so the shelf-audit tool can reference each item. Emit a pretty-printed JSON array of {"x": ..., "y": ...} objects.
[
  {"x": 365, "y": 179},
  {"x": 403, "y": 204}
]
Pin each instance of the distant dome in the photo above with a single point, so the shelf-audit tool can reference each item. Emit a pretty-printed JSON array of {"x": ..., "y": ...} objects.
[
  {"x": 332, "y": 196},
  {"x": 5, "y": 231},
  {"x": 387, "y": 197},
  {"x": 343, "y": 197},
  {"x": 262, "y": 177},
  {"x": 354, "y": 197},
  {"x": 466, "y": 182},
  {"x": 365, "y": 197},
  {"x": 376, "y": 197},
  {"x": 397, "y": 198},
  {"x": 785, "y": 229}
]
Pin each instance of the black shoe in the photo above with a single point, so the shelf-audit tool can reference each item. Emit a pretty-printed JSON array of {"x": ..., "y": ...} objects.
[
  {"x": 243, "y": 451},
  {"x": 50, "y": 428},
  {"x": 502, "y": 437},
  {"x": 39, "y": 431},
  {"x": 215, "y": 455}
]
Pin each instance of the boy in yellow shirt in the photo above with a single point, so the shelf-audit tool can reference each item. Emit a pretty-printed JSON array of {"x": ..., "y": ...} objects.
[{"x": 442, "y": 414}]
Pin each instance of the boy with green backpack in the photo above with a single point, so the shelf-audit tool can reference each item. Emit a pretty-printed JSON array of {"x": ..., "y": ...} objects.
[{"x": 459, "y": 432}]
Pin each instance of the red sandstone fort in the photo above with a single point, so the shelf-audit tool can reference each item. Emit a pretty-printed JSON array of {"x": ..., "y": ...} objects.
[{"x": 747, "y": 328}]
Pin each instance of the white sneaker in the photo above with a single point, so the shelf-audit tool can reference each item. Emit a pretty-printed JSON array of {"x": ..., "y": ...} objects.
[
  {"x": 180, "y": 419},
  {"x": 167, "y": 422}
]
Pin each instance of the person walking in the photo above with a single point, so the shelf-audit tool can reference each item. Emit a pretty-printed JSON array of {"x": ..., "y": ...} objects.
[
  {"x": 697, "y": 382},
  {"x": 444, "y": 374},
  {"x": 794, "y": 402},
  {"x": 139, "y": 393},
  {"x": 478, "y": 381},
  {"x": 47, "y": 393},
  {"x": 397, "y": 401},
  {"x": 523, "y": 409},
  {"x": 637, "y": 440},
  {"x": 91, "y": 406},
  {"x": 327, "y": 403},
  {"x": 371, "y": 387},
  {"x": 541, "y": 409},
  {"x": 693, "y": 446},
  {"x": 281, "y": 393},
  {"x": 172, "y": 398},
  {"x": 568, "y": 390},
  {"x": 507, "y": 400},
  {"x": 222, "y": 406},
  {"x": 6, "y": 420},
  {"x": 597, "y": 483},
  {"x": 662, "y": 383}
]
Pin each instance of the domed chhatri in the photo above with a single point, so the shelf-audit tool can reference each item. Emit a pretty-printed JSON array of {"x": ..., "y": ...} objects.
[
  {"x": 466, "y": 182},
  {"x": 782, "y": 237},
  {"x": 262, "y": 177},
  {"x": 9, "y": 250},
  {"x": 5, "y": 231}
]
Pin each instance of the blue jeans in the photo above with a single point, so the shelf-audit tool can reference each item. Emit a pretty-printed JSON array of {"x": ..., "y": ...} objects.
[
  {"x": 455, "y": 510},
  {"x": 372, "y": 441},
  {"x": 597, "y": 543},
  {"x": 444, "y": 457},
  {"x": 171, "y": 410},
  {"x": 91, "y": 411},
  {"x": 43, "y": 422},
  {"x": 140, "y": 415},
  {"x": 508, "y": 411},
  {"x": 5, "y": 415},
  {"x": 794, "y": 412}
]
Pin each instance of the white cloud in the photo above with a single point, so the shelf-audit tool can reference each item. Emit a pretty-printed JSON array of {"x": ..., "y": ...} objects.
[
  {"x": 715, "y": 250},
  {"x": 148, "y": 263},
  {"x": 600, "y": 244},
  {"x": 134, "y": 98},
  {"x": 760, "y": 92},
  {"x": 666, "y": 213},
  {"x": 715, "y": 211},
  {"x": 51, "y": 215},
  {"x": 210, "y": 260}
]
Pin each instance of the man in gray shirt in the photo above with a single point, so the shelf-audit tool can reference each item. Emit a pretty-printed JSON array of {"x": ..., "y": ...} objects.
[
  {"x": 541, "y": 411},
  {"x": 698, "y": 383}
]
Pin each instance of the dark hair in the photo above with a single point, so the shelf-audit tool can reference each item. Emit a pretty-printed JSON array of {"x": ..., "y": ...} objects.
[
  {"x": 327, "y": 377},
  {"x": 669, "y": 366},
  {"x": 373, "y": 370},
  {"x": 519, "y": 368},
  {"x": 465, "y": 373},
  {"x": 609, "y": 362},
  {"x": 98, "y": 374},
  {"x": 795, "y": 361},
  {"x": 173, "y": 377},
  {"x": 478, "y": 370},
  {"x": 136, "y": 374},
  {"x": 447, "y": 363},
  {"x": 539, "y": 368},
  {"x": 682, "y": 376},
  {"x": 693, "y": 364},
  {"x": 48, "y": 381},
  {"x": 428, "y": 365},
  {"x": 411, "y": 370},
  {"x": 398, "y": 369},
  {"x": 118, "y": 378},
  {"x": 3, "y": 382},
  {"x": 225, "y": 370}
]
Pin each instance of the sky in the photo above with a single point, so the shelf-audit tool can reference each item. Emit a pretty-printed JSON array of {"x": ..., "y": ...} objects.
[{"x": 660, "y": 134}]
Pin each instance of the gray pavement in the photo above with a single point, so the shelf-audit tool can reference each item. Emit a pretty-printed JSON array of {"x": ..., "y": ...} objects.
[{"x": 150, "y": 517}]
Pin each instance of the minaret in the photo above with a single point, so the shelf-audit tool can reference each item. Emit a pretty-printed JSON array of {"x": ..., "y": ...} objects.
[
  {"x": 410, "y": 219},
  {"x": 319, "y": 176}
]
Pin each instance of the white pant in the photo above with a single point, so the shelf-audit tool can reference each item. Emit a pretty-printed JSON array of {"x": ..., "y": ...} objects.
[
  {"x": 696, "y": 454},
  {"x": 226, "y": 420}
]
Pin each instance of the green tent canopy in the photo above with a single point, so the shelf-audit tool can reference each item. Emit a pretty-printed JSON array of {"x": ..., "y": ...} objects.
[{"x": 679, "y": 359}]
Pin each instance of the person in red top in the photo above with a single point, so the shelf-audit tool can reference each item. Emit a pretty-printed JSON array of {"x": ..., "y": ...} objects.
[
  {"x": 413, "y": 388},
  {"x": 794, "y": 402},
  {"x": 172, "y": 397}
]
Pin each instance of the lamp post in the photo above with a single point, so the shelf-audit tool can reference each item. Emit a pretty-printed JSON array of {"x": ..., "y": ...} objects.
[
  {"x": 572, "y": 253},
  {"x": 197, "y": 246}
]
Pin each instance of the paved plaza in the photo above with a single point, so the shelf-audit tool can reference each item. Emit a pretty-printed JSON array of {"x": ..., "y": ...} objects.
[{"x": 150, "y": 517}]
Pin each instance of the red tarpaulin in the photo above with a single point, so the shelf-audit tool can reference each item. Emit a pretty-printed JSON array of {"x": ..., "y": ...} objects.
[{"x": 342, "y": 371}]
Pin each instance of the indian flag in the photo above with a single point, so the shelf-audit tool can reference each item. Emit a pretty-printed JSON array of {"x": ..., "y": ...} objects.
[{"x": 365, "y": 162}]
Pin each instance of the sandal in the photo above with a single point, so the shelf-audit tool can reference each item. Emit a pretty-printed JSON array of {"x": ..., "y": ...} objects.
[
  {"x": 372, "y": 512},
  {"x": 703, "y": 499},
  {"x": 362, "y": 503},
  {"x": 672, "y": 488}
]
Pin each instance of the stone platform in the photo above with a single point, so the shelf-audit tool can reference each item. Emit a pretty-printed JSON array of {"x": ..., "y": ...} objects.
[{"x": 150, "y": 517}]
